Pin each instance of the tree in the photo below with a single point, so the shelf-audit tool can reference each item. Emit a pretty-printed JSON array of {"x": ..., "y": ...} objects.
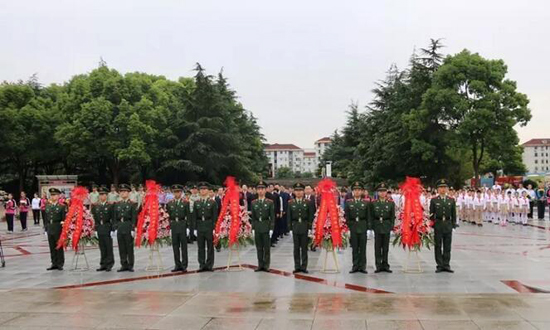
[
  {"x": 471, "y": 96},
  {"x": 284, "y": 173}
]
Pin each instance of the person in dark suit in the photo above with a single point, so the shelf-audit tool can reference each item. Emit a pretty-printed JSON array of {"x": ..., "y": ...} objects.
[
  {"x": 285, "y": 197},
  {"x": 309, "y": 195},
  {"x": 274, "y": 196}
]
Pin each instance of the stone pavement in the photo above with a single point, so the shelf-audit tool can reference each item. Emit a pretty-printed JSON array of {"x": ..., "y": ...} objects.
[{"x": 500, "y": 282}]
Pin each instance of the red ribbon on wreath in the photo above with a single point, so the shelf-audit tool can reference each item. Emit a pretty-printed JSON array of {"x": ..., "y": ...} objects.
[
  {"x": 412, "y": 212},
  {"x": 231, "y": 201},
  {"x": 151, "y": 209},
  {"x": 78, "y": 195},
  {"x": 328, "y": 208}
]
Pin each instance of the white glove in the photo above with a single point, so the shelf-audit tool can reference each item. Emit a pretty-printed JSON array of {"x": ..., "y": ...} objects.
[
  {"x": 95, "y": 234},
  {"x": 253, "y": 232},
  {"x": 188, "y": 231},
  {"x": 271, "y": 233},
  {"x": 309, "y": 232},
  {"x": 113, "y": 234},
  {"x": 133, "y": 233},
  {"x": 46, "y": 233},
  {"x": 195, "y": 232}
]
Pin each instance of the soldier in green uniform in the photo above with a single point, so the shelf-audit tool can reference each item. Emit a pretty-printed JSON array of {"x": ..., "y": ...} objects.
[
  {"x": 53, "y": 223},
  {"x": 263, "y": 219},
  {"x": 443, "y": 213},
  {"x": 356, "y": 212},
  {"x": 205, "y": 215},
  {"x": 180, "y": 218},
  {"x": 300, "y": 217},
  {"x": 125, "y": 217},
  {"x": 103, "y": 217},
  {"x": 382, "y": 221}
]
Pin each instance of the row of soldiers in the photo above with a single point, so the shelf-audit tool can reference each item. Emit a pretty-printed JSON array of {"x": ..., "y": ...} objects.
[{"x": 361, "y": 215}]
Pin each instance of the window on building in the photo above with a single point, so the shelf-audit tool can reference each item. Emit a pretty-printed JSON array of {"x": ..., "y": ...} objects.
[
  {"x": 536, "y": 155},
  {"x": 536, "y": 161},
  {"x": 536, "y": 168},
  {"x": 536, "y": 148}
]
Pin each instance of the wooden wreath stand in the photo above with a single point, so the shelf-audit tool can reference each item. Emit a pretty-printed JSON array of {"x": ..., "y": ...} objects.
[
  {"x": 155, "y": 259},
  {"x": 326, "y": 270},
  {"x": 234, "y": 250},
  {"x": 414, "y": 259},
  {"x": 80, "y": 253}
]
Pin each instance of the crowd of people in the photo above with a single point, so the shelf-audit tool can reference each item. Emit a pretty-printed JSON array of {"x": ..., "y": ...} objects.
[{"x": 500, "y": 205}]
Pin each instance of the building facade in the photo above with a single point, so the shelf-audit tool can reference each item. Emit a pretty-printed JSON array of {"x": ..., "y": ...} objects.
[
  {"x": 297, "y": 159},
  {"x": 536, "y": 156}
]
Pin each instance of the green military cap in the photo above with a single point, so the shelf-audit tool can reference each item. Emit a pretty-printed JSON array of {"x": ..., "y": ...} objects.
[
  {"x": 103, "y": 190},
  {"x": 124, "y": 187},
  {"x": 54, "y": 191},
  {"x": 357, "y": 185},
  {"x": 382, "y": 187},
  {"x": 442, "y": 183},
  {"x": 261, "y": 184},
  {"x": 203, "y": 185},
  {"x": 176, "y": 187},
  {"x": 299, "y": 186}
]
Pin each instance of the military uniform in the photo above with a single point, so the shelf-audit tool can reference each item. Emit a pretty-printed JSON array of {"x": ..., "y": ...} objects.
[
  {"x": 300, "y": 217},
  {"x": 262, "y": 218},
  {"x": 53, "y": 224},
  {"x": 180, "y": 217},
  {"x": 205, "y": 215},
  {"x": 125, "y": 217},
  {"x": 382, "y": 222},
  {"x": 443, "y": 213},
  {"x": 103, "y": 218},
  {"x": 356, "y": 212}
]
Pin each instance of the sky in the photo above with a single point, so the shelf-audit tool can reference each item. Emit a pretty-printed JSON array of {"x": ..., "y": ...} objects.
[{"x": 297, "y": 65}]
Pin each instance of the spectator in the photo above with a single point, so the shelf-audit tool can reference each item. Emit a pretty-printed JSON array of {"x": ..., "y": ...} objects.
[
  {"x": 36, "y": 209},
  {"x": 43, "y": 203},
  {"x": 11, "y": 208},
  {"x": 24, "y": 205}
]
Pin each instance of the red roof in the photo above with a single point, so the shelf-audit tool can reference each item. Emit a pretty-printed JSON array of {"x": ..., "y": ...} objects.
[
  {"x": 325, "y": 139},
  {"x": 309, "y": 154},
  {"x": 537, "y": 142},
  {"x": 278, "y": 146}
]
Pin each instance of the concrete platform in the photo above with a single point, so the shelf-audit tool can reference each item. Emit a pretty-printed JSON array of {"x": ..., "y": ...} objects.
[{"x": 500, "y": 282}]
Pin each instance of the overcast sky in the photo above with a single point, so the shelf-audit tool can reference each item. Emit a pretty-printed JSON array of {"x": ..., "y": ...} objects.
[{"x": 296, "y": 64}]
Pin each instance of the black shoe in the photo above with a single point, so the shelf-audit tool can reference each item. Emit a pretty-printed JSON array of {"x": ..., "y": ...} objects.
[
  {"x": 439, "y": 270},
  {"x": 51, "y": 268},
  {"x": 108, "y": 269},
  {"x": 448, "y": 270},
  {"x": 377, "y": 271},
  {"x": 123, "y": 269},
  {"x": 388, "y": 271},
  {"x": 209, "y": 270},
  {"x": 175, "y": 270},
  {"x": 131, "y": 270},
  {"x": 363, "y": 271},
  {"x": 59, "y": 268},
  {"x": 258, "y": 269},
  {"x": 100, "y": 269},
  {"x": 296, "y": 271},
  {"x": 183, "y": 270},
  {"x": 353, "y": 271},
  {"x": 305, "y": 271},
  {"x": 272, "y": 245},
  {"x": 266, "y": 270}
]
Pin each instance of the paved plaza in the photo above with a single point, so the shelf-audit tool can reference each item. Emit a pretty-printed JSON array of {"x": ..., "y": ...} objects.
[{"x": 501, "y": 282}]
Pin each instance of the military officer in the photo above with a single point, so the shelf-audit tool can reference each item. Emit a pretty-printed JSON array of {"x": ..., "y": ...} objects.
[
  {"x": 53, "y": 223},
  {"x": 193, "y": 197},
  {"x": 300, "y": 217},
  {"x": 382, "y": 221},
  {"x": 263, "y": 219},
  {"x": 125, "y": 217},
  {"x": 180, "y": 217},
  {"x": 103, "y": 217},
  {"x": 443, "y": 213},
  {"x": 356, "y": 212},
  {"x": 205, "y": 215}
]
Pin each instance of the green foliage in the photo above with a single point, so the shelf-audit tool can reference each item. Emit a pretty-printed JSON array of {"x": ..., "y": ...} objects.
[
  {"x": 109, "y": 127},
  {"x": 284, "y": 173},
  {"x": 450, "y": 118}
]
